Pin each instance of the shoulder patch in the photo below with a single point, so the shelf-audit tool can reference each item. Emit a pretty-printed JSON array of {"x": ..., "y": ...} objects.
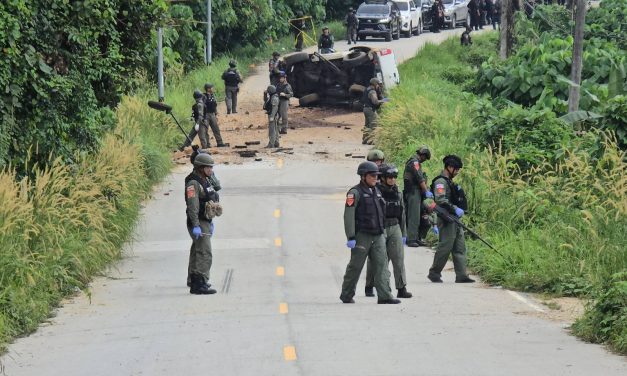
[
  {"x": 417, "y": 165},
  {"x": 439, "y": 188},
  {"x": 190, "y": 192},
  {"x": 350, "y": 199}
]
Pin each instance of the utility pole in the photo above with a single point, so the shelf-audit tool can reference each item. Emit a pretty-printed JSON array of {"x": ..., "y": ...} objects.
[
  {"x": 160, "y": 64},
  {"x": 208, "y": 32},
  {"x": 507, "y": 28},
  {"x": 575, "y": 71}
]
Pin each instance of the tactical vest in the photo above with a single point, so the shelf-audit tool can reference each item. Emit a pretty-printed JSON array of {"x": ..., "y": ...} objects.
[
  {"x": 326, "y": 41},
  {"x": 230, "y": 77},
  {"x": 210, "y": 195},
  {"x": 282, "y": 88},
  {"x": 365, "y": 99},
  {"x": 196, "y": 111},
  {"x": 393, "y": 206},
  {"x": 458, "y": 196},
  {"x": 370, "y": 211},
  {"x": 409, "y": 183},
  {"x": 211, "y": 106}
]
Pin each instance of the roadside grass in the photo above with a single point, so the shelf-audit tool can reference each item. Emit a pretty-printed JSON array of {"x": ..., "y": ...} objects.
[
  {"x": 561, "y": 228},
  {"x": 69, "y": 222}
]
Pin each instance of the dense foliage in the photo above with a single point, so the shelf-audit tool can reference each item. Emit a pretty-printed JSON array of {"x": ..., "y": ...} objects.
[{"x": 64, "y": 64}]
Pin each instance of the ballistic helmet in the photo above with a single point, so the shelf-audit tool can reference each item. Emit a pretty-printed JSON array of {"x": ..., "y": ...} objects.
[
  {"x": 350, "y": 9},
  {"x": 232, "y": 63},
  {"x": 208, "y": 86},
  {"x": 453, "y": 161},
  {"x": 375, "y": 155},
  {"x": 429, "y": 204},
  {"x": 197, "y": 94},
  {"x": 388, "y": 171},
  {"x": 299, "y": 13},
  {"x": 203, "y": 160},
  {"x": 271, "y": 89},
  {"x": 424, "y": 150},
  {"x": 276, "y": 54},
  {"x": 367, "y": 168},
  {"x": 375, "y": 81},
  {"x": 325, "y": 27},
  {"x": 282, "y": 74}
]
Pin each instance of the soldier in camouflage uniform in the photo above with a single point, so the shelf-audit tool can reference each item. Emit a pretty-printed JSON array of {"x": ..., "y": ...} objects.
[
  {"x": 451, "y": 234},
  {"x": 211, "y": 120},
  {"x": 364, "y": 223},
  {"x": 414, "y": 190},
  {"x": 285, "y": 92},
  {"x": 198, "y": 116},
  {"x": 272, "y": 109},
  {"x": 395, "y": 234},
  {"x": 198, "y": 193},
  {"x": 376, "y": 156}
]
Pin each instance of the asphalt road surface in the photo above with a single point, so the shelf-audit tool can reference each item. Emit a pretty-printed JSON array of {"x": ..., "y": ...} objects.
[{"x": 279, "y": 257}]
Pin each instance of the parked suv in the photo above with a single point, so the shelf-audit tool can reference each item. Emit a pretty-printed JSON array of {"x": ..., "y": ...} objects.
[
  {"x": 379, "y": 19},
  {"x": 456, "y": 13},
  {"x": 340, "y": 78},
  {"x": 411, "y": 17}
]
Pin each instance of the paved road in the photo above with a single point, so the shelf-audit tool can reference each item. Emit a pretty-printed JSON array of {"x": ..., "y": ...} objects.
[{"x": 279, "y": 257}]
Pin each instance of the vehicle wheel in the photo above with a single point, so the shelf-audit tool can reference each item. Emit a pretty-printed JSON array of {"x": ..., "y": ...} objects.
[
  {"x": 355, "y": 58},
  {"x": 295, "y": 58},
  {"x": 309, "y": 100},
  {"x": 356, "y": 89},
  {"x": 418, "y": 29},
  {"x": 409, "y": 32},
  {"x": 362, "y": 37},
  {"x": 365, "y": 49},
  {"x": 335, "y": 92},
  {"x": 388, "y": 36},
  {"x": 398, "y": 32}
]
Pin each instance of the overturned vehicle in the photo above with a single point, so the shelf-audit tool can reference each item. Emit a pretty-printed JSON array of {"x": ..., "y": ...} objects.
[{"x": 340, "y": 78}]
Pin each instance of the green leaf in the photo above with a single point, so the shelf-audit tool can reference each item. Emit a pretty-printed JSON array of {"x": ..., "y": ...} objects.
[
  {"x": 577, "y": 116},
  {"x": 44, "y": 67}
]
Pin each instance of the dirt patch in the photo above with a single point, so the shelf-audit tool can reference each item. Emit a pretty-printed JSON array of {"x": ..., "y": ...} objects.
[{"x": 565, "y": 309}]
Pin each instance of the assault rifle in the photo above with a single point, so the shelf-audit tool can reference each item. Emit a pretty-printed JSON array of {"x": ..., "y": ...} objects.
[{"x": 448, "y": 217}]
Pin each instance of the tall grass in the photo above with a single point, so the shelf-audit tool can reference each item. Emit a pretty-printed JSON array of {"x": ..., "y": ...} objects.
[{"x": 561, "y": 227}]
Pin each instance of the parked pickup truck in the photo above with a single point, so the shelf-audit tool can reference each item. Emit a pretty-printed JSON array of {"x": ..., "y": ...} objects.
[{"x": 340, "y": 78}]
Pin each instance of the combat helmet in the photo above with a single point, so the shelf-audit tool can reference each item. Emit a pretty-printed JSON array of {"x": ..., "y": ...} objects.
[
  {"x": 271, "y": 89},
  {"x": 375, "y": 81},
  {"x": 453, "y": 161},
  {"x": 208, "y": 86},
  {"x": 197, "y": 94},
  {"x": 367, "y": 168},
  {"x": 232, "y": 63},
  {"x": 424, "y": 150},
  {"x": 375, "y": 155},
  {"x": 203, "y": 160},
  {"x": 429, "y": 204},
  {"x": 388, "y": 171}
]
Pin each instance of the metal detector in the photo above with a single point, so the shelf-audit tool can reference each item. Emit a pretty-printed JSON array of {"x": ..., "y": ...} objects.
[{"x": 159, "y": 106}]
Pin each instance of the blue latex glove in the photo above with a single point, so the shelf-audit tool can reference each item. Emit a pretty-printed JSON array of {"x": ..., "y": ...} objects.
[
  {"x": 429, "y": 194},
  {"x": 459, "y": 212},
  {"x": 385, "y": 100},
  {"x": 197, "y": 232},
  {"x": 435, "y": 230},
  {"x": 351, "y": 244},
  {"x": 404, "y": 240},
  {"x": 212, "y": 228}
]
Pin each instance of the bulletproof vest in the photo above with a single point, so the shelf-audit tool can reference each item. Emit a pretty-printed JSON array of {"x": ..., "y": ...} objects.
[
  {"x": 211, "y": 106},
  {"x": 267, "y": 105},
  {"x": 351, "y": 20},
  {"x": 365, "y": 98},
  {"x": 210, "y": 194},
  {"x": 231, "y": 77},
  {"x": 325, "y": 41},
  {"x": 282, "y": 88},
  {"x": 196, "y": 111},
  {"x": 370, "y": 211},
  {"x": 393, "y": 207},
  {"x": 458, "y": 196},
  {"x": 408, "y": 178}
]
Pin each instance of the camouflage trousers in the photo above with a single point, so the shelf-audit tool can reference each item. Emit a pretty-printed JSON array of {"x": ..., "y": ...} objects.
[
  {"x": 371, "y": 122},
  {"x": 200, "y": 256}
]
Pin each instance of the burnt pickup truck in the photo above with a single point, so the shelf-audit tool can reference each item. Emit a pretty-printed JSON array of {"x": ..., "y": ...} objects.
[{"x": 340, "y": 78}]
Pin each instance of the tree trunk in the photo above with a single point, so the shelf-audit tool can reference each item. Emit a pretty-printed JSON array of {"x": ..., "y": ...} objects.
[
  {"x": 575, "y": 72},
  {"x": 507, "y": 28}
]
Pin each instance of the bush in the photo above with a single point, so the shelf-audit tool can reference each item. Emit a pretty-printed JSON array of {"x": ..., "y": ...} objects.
[
  {"x": 615, "y": 118},
  {"x": 605, "y": 320}
]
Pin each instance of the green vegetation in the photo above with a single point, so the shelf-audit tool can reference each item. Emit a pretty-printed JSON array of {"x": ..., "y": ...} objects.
[{"x": 549, "y": 194}]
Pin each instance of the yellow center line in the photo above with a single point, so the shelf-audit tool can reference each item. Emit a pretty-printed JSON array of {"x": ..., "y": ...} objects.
[
  {"x": 279, "y": 163},
  {"x": 277, "y": 213},
  {"x": 289, "y": 353},
  {"x": 278, "y": 242},
  {"x": 280, "y": 271},
  {"x": 283, "y": 308}
]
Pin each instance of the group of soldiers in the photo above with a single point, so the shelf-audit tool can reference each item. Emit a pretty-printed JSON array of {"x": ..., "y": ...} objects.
[
  {"x": 277, "y": 100},
  {"x": 379, "y": 220}
]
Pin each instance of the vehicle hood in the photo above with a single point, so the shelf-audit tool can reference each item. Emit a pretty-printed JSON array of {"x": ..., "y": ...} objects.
[{"x": 371, "y": 15}]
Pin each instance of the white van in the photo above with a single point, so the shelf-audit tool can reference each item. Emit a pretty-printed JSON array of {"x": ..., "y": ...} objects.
[{"x": 411, "y": 17}]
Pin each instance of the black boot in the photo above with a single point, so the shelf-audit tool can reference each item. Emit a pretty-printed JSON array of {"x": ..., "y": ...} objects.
[
  {"x": 403, "y": 293},
  {"x": 464, "y": 279},
  {"x": 389, "y": 301},
  {"x": 434, "y": 278},
  {"x": 413, "y": 243},
  {"x": 369, "y": 291},
  {"x": 199, "y": 287}
]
